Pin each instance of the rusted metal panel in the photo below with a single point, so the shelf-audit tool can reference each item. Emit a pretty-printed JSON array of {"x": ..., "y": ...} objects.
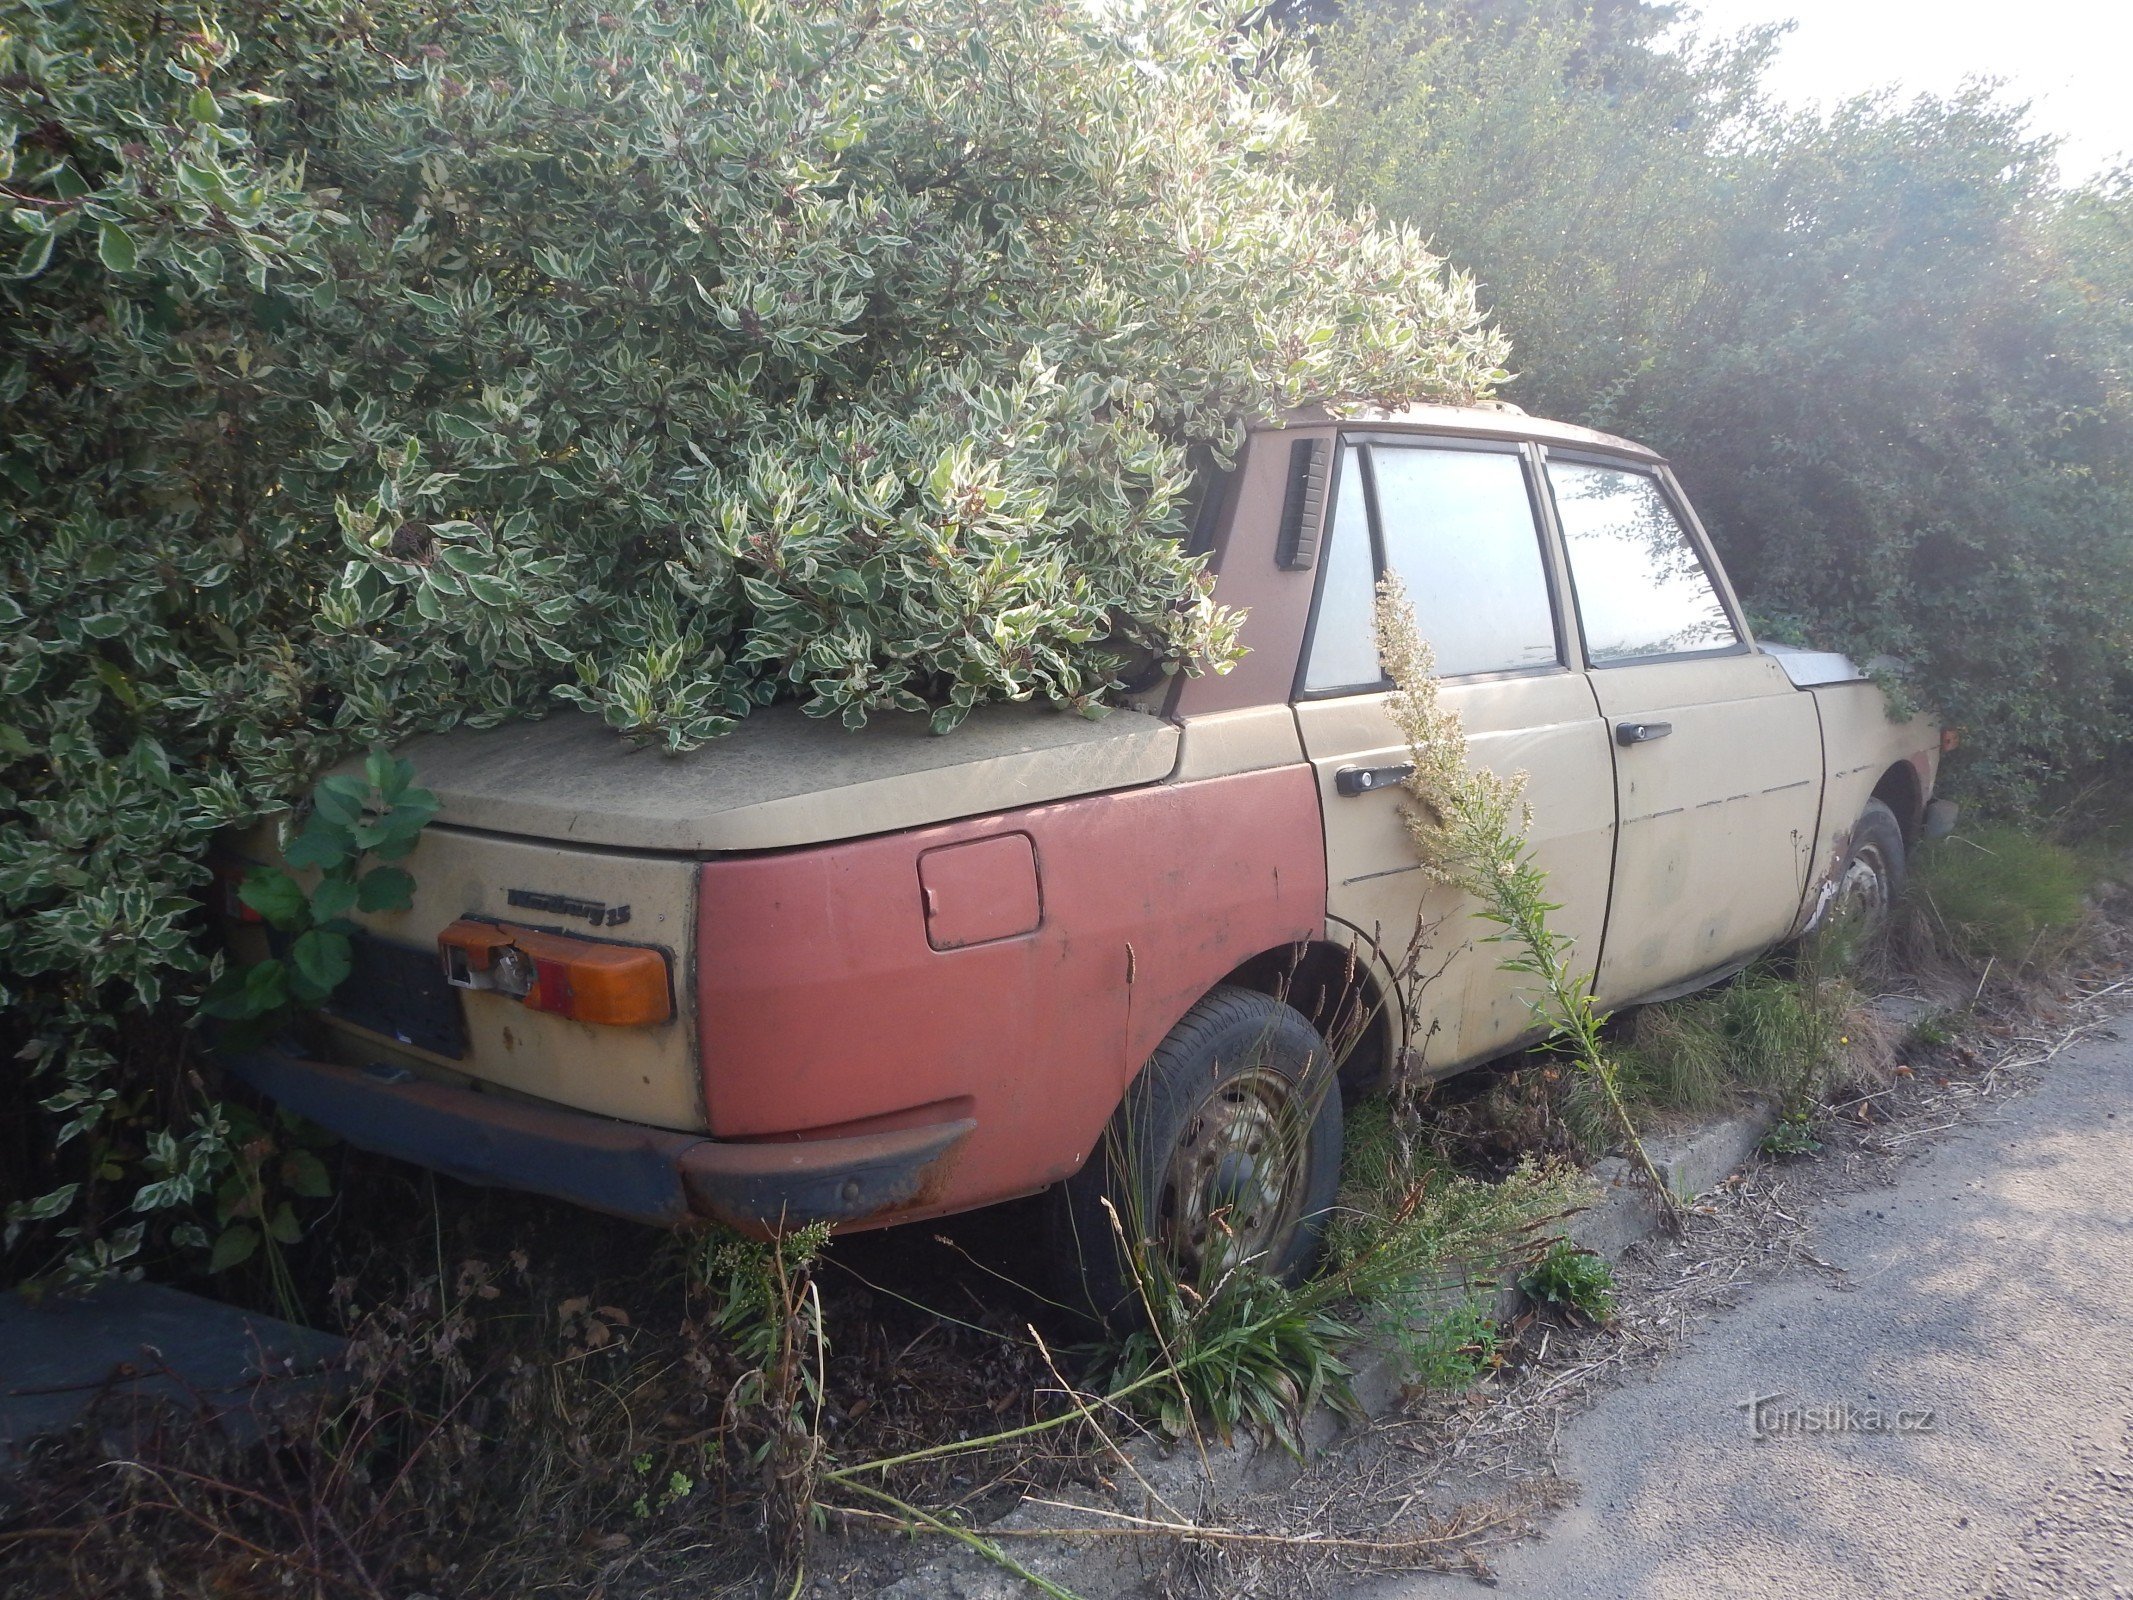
[
  {"x": 627, "y": 1170},
  {"x": 979, "y": 891},
  {"x": 848, "y": 1181},
  {"x": 1860, "y": 747},
  {"x": 1275, "y": 601},
  {"x": 824, "y": 1002},
  {"x": 780, "y": 778},
  {"x": 622, "y": 1168}
]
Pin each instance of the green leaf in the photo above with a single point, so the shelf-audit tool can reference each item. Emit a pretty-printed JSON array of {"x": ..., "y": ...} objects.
[
  {"x": 321, "y": 844},
  {"x": 115, "y": 247},
  {"x": 236, "y": 1246},
  {"x": 334, "y": 898},
  {"x": 266, "y": 988},
  {"x": 283, "y": 1226},
  {"x": 306, "y": 1175},
  {"x": 388, "y": 774},
  {"x": 324, "y": 959},
  {"x": 276, "y": 896},
  {"x": 35, "y": 255},
  {"x": 385, "y": 889},
  {"x": 340, "y": 799}
]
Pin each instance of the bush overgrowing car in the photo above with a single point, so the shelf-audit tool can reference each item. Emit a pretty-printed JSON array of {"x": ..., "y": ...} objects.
[{"x": 865, "y": 977}]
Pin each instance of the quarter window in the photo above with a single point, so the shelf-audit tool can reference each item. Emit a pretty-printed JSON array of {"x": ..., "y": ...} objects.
[
  {"x": 1344, "y": 644},
  {"x": 1641, "y": 588}
]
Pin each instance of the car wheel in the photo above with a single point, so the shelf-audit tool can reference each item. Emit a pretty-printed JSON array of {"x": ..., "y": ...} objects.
[
  {"x": 1225, "y": 1151},
  {"x": 1870, "y": 878}
]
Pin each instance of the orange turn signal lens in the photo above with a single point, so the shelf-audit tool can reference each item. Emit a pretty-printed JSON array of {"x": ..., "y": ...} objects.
[{"x": 620, "y": 985}]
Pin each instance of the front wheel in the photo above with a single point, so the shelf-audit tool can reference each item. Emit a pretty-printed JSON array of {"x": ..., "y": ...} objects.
[
  {"x": 1225, "y": 1152},
  {"x": 1869, "y": 880}
]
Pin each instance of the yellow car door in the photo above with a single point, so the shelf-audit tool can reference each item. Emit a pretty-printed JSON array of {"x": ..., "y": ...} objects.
[
  {"x": 1459, "y": 521},
  {"x": 1717, "y": 758}
]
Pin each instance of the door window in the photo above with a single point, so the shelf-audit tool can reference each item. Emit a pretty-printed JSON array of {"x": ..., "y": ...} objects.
[
  {"x": 1458, "y": 527},
  {"x": 1642, "y": 590}
]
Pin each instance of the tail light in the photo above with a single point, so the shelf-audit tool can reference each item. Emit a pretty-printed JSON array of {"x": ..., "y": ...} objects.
[{"x": 621, "y": 985}]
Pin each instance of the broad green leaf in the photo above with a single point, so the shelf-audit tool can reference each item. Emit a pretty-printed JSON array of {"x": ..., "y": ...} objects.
[
  {"x": 306, "y": 1175},
  {"x": 321, "y": 844},
  {"x": 339, "y": 799},
  {"x": 236, "y": 1245},
  {"x": 323, "y": 958},
  {"x": 276, "y": 896},
  {"x": 334, "y": 897},
  {"x": 115, "y": 247}
]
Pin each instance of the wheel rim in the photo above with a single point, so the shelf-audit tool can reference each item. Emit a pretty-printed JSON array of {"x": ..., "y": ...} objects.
[
  {"x": 1863, "y": 891},
  {"x": 1233, "y": 1187}
]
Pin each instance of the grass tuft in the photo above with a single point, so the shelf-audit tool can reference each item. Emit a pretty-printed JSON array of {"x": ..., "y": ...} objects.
[
  {"x": 1765, "y": 1031},
  {"x": 1998, "y": 894}
]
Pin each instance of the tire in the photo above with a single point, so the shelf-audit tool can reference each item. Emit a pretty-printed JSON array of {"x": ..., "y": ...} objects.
[
  {"x": 1868, "y": 881},
  {"x": 1240, "y": 1079}
]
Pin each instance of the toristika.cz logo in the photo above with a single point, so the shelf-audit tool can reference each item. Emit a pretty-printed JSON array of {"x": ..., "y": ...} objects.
[{"x": 1777, "y": 1416}]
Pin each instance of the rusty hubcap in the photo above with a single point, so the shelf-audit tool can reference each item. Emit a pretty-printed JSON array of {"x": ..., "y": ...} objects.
[{"x": 1233, "y": 1186}]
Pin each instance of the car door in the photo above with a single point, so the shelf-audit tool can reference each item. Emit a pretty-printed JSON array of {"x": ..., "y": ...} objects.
[
  {"x": 1458, "y": 521},
  {"x": 1718, "y": 759}
]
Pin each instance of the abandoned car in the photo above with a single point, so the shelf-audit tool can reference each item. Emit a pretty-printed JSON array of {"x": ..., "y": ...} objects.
[{"x": 868, "y": 977}]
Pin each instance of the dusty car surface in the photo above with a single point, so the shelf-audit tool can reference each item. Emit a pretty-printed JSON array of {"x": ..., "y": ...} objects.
[{"x": 866, "y": 977}]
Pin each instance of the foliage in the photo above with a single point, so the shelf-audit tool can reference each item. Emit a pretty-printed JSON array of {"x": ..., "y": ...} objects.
[
  {"x": 770, "y": 1310},
  {"x": 1573, "y": 1280},
  {"x": 378, "y": 814},
  {"x": 1791, "y": 1135},
  {"x": 1997, "y": 893},
  {"x": 1244, "y": 1350},
  {"x": 1453, "y": 1350},
  {"x": 1469, "y": 826},
  {"x": 1770, "y": 1030},
  {"x": 1883, "y": 347},
  {"x": 372, "y": 372}
]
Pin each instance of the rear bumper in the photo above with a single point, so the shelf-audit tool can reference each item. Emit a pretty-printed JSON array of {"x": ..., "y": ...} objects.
[{"x": 626, "y": 1169}]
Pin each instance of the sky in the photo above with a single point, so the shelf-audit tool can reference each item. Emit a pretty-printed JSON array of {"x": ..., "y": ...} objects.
[{"x": 2072, "y": 59}]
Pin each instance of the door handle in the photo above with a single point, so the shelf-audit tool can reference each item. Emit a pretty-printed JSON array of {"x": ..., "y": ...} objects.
[
  {"x": 1366, "y": 780},
  {"x": 1641, "y": 732}
]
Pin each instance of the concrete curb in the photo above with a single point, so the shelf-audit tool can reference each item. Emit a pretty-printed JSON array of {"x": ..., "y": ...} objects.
[{"x": 1173, "y": 1483}]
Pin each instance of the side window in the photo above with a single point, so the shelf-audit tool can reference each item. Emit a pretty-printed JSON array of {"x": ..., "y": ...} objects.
[
  {"x": 1641, "y": 588},
  {"x": 1458, "y": 528},
  {"x": 1344, "y": 640}
]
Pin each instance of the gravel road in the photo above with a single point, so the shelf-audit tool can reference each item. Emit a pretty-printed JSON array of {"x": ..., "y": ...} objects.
[{"x": 1947, "y": 1411}]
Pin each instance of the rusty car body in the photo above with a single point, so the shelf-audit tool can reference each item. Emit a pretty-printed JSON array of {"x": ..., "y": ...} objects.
[{"x": 910, "y": 975}]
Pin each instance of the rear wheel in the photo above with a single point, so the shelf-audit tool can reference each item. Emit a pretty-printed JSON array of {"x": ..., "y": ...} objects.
[{"x": 1226, "y": 1151}]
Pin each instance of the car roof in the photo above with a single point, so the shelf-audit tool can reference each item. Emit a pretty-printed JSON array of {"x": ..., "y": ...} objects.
[{"x": 1496, "y": 420}]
